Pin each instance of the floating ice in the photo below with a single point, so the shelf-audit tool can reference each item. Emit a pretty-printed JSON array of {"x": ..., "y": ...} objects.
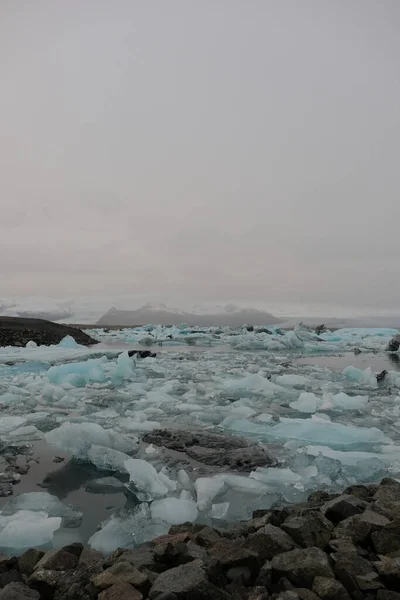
[
  {"x": 8, "y": 424},
  {"x": 144, "y": 480},
  {"x": 345, "y": 402},
  {"x": 219, "y": 511},
  {"x": 174, "y": 510},
  {"x": 77, "y": 438},
  {"x": 26, "y": 529},
  {"x": 292, "y": 380},
  {"x": 107, "y": 458},
  {"x": 126, "y": 529},
  {"x": 207, "y": 488},
  {"x": 366, "y": 377},
  {"x": 307, "y": 403},
  {"x": 70, "y": 343},
  {"x": 78, "y": 374},
  {"x": 124, "y": 366},
  {"x": 43, "y": 502},
  {"x": 252, "y": 383}
]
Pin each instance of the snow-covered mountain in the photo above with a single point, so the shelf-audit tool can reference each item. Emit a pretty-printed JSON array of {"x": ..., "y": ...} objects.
[{"x": 200, "y": 316}]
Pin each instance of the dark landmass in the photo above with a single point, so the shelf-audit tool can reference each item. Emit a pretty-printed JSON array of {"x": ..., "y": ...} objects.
[
  {"x": 17, "y": 331},
  {"x": 144, "y": 316},
  {"x": 333, "y": 547},
  {"x": 181, "y": 448}
]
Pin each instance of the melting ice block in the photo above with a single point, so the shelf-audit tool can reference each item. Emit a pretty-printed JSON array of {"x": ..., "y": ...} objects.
[
  {"x": 107, "y": 458},
  {"x": 307, "y": 403},
  {"x": 174, "y": 510},
  {"x": 77, "y": 438},
  {"x": 292, "y": 380},
  {"x": 344, "y": 402},
  {"x": 126, "y": 529},
  {"x": 26, "y": 528},
  {"x": 125, "y": 365},
  {"x": 207, "y": 488},
  {"x": 77, "y": 374},
  {"x": 144, "y": 480},
  {"x": 322, "y": 431},
  {"x": 366, "y": 377},
  {"x": 253, "y": 383},
  {"x": 43, "y": 502}
]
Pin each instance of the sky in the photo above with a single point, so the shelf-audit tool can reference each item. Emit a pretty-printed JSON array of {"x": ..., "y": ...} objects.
[{"x": 223, "y": 149}]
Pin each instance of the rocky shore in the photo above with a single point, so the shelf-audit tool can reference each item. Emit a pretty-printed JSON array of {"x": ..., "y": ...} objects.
[
  {"x": 330, "y": 548},
  {"x": 16, "y": 331}
]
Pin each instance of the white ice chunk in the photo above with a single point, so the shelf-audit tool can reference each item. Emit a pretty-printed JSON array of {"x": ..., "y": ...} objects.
[
  {"x": 174, "y": 510},
  {"x": 41, "y": 501},
  {"x": 144, "y": 480},
  {"x": 127, "y": 530},
  {"x": 307, "y": 403},
  {"x": 107, "y": 458},
  {"x": 345, "y": 402},
  {"x": 219, "y": 511},
  {"x": 207, "y": 488},
  {"x": 125, "y": 365},
  {"x": 77, "y": 438},
  {"x": 252, "y": 383},
  {"x": 8, "y": 424},
  {"x": 26, "y": 529},
  {"x": 78, "y": 374},
  {"x": 321, "y": 431},
  {"x": 366, "y": 377},
  {"x": 276, "y": 477}
]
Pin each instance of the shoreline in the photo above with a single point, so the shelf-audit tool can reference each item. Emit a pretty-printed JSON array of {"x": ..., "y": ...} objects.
[{"x": 332, "y": 547}]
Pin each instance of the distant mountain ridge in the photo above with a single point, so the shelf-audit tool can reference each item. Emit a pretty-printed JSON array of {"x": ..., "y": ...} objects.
[{"x": 163, "y": 315}]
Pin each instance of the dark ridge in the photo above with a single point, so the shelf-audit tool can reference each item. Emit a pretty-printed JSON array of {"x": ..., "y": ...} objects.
[{"x": 17, "y": 331}]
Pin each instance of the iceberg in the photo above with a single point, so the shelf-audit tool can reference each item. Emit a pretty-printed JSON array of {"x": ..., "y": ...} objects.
[
  {"x": 125, "y": 529},
  {"x": 307, "y": 403},
  {"x": 77, "y": 439},
  {"x": 174, "y": 511},
  {"x": 77, "y": 374},
  {"x": 39, "y": 502},
  {"x": 207, "y": 488},
  {"x": 25, "y": 529},
  {"x": 144, "y": 481}
]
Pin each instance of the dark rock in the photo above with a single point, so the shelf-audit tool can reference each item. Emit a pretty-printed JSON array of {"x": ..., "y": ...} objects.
[
  {"x": 141, "y": 558},
  {"x": 255, "y": 524},
  {"x": 45, "y": 582},
  {"x": 230, "y": 554},
  {"x": 76, "y": 548},
  {"x": 18, "y": 591},
  {"x": 57, "y": 560},
  {"x": 142, "y": 353},
  {"x": 269, "y": 541},
  {"x": 329, "y": 589},
  {"x": 90, "y": 557},
  {"x": 207, "y": 537},
  {"x": 265, "y": 575},
  {"x": 350, "y": 566},
  {"x": 359, "y": 527},
  {"x": 6, "y": 489},
  {"x": 19, "y": 331},
  {"x": 305, "y": 594},
  {"x": 387, "y": 540},
  {"x": 189, "y": 528},
  {"x": 343, "y": 507},
  {"x": 11, "y": 576},
  {"x": 120, "y": 591},
  {"x": 389, "y": 571},
  {"x": 394, "y": 344},
  {"x": 212, "y": 449},
  {"x": 311, "y": 529},
  {"x": 387, "y": 595},
  {"x": 386, "y": 500},
  {"x": 76, "y": 584},
  {"x": 363, "y": 492},
  {"x": 302, "y": 566},
  {"x": 257, "y": 593},
  {"x": 369, "y": 582},
  {"x": 343, "y": 546},
  {"x": 28, "y": 560},
  {"x": 167, "y": 596},
  {"x": 187, "y": 582},
  {"x": 240, "y": 574},
  {"x": 120, "y": 572}
]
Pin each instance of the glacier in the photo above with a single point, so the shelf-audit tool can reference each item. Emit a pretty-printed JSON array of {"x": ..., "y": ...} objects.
[{"x": 327, "y": 425}]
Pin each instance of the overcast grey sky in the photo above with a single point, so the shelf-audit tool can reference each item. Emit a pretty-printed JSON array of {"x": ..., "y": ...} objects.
[{"x": 241, "y": 149}]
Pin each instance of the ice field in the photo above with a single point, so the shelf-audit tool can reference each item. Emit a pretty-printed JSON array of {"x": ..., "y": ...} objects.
[{"x": 327, "y": 427}]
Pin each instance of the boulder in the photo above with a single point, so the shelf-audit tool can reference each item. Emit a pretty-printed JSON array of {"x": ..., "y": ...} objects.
[
  {"x": 187, "y": 582},
  {"x": 359, "y": 527},
  {"x": 387, "y": 539},
  {"x": 18, "y": 591},
  {"x": 11, "y": 576},
  {"x": 310, "y": 529},
  {"x": 57, "y": 560},
  {"x": 28, "y": 560},
  {"x": 349, "y": 567},
  {"x": 120, "y": 591},
  {"x": 269, "y": 541},
  {"x": 120, "y": 572},
  {"x": 302, "y": 566},
  {"x": 389, "y": 571},
  {"x": 328, "y": 588},
  {"x": 342, "y": 507}
]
